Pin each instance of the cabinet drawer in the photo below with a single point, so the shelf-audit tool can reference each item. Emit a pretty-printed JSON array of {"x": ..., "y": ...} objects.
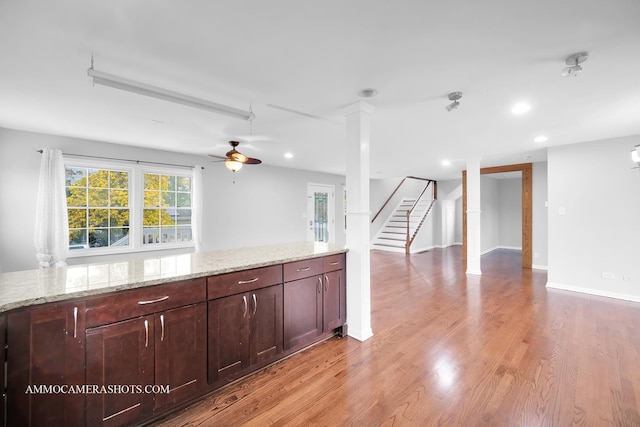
[
  {"x": 333, "y": 262},
  {"x": 301, "y": 269},
  {"x": 141, "y": 301},
  {"x": 243, "y": 281}
]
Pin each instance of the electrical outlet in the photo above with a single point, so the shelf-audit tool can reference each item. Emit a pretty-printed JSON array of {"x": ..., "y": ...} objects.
[
  {"x": 606, "y": 275},
  {"x": 536, "y": 255}
]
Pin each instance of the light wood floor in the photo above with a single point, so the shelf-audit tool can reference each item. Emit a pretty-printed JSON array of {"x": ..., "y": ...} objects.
[{"x": 492, "y": 350}]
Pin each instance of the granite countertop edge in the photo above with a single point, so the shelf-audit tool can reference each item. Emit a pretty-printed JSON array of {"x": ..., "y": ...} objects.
[{"x": 28, "y": 299}]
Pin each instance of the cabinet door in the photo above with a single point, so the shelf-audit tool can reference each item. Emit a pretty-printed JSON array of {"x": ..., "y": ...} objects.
[
  {"x": 180, "y": 353},
  {"x": 120, "y": 354},
  {"x": 45, "y": 348},
  {"x": 228, "y": 336},
  {"x": 266, "y": 324},
  {"x": 3, "y": 325},
  {"x": 334, "y": 301},
  {"x": 302, "y": 311}
]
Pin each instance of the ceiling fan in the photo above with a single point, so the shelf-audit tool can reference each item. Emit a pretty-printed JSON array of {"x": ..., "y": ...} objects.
[{"x": 234, "y": 160}]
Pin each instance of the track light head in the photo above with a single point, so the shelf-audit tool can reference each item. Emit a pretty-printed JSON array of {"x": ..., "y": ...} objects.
[
  {"x": 454, "y": 96},
  {"x": 573, "y": 63}
]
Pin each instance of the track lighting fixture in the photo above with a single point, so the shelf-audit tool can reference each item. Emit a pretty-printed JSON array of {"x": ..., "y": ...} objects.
[
  {"x": 573, "y": 63},
  {"x": 140, "y": 88},
  {"x": 635, "y": 155},
  {"x": 454, "y": 96}
]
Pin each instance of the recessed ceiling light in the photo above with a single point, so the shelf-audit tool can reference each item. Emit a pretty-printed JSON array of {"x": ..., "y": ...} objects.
[
  {"x": 288, "y": 155},
  {"x": 520, "y": 108},
  {"x": 540, "y": 138},
  {"x": 446, "y": 163}
]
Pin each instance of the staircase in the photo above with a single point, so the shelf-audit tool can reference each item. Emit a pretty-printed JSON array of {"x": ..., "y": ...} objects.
[{"x": 392, "y": 236}]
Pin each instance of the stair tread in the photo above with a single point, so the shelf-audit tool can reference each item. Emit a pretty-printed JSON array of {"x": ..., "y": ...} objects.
[{"x": 388, "y": 245}]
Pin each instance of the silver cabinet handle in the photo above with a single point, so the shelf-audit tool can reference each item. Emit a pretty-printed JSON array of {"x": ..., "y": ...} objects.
[
  {"x": 166, "y": 297},
  {"x": 319, "y": 284},
  {"x": 146, "y": 333},
  {"x": 326, "y": 283},
  {"x": 162, "y": 327},
  {"x": 244, "y": 282},
  {"x": 244, "y": 300},
  {"x": 304, "y": 269},
  {"x": 334, "y": 263},
  {"x": 75, "y": 322},
  {"x": 255, "y": 304}
]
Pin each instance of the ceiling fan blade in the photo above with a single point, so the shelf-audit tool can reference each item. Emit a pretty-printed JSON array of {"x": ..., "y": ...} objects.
[
  {"x": 302, "y": 113},
  {"x": 217, "y": 157},
  {"x": 252, "y": 161}
]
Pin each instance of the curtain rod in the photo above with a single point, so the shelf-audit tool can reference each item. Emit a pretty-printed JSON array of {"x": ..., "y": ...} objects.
[{"x": 125, "y": 160}]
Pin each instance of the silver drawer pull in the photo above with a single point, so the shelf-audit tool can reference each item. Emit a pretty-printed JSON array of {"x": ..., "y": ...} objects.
[
  {"x": 334, "y": 263},
  {"x": 244, "y": 282},
  {"x": 75, "y": 322},
  {"x": 146, "y": 333},
  {"x": 166, "y": 297},
  {"x": 162, "y": 327},
  {"x": 304, "y": 269}
]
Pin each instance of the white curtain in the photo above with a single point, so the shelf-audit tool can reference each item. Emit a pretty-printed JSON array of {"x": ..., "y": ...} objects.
[
  {"x": 52, "y": 226},
  {"x": 196, "y": 207}
]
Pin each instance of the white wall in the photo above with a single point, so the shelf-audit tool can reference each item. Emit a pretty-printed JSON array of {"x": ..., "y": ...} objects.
[
  {"x": 599, "y": 193},
  {"x": 510, "y": 213},
  {"x": 265, "y": 205},
  {"x": 539, "y": 213},
  {"x": 490, "y": 214}
]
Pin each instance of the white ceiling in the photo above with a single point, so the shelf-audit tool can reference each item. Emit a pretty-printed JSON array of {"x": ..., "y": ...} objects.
[{"x": 314, "y": 57}]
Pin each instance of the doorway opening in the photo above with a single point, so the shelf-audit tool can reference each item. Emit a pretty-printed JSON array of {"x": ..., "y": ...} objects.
[{"x": 527, "y": 208}]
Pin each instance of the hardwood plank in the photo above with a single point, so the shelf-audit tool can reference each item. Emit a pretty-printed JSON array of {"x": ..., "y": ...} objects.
[{"x": 494, "y": 350}]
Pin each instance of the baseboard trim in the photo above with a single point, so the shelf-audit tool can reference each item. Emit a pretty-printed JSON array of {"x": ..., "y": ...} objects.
[
  {"x": 474, "y": 272},
  {"x": 597, "y": 292},
  {"x": 539, "y": 267}
]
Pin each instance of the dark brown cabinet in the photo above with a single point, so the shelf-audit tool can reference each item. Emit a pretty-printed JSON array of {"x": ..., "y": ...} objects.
[
  {"x": 316, "y": 304},
  {"x": 180, "y": 353},
  {"x": 3, "y": 394},
  {"x": 150, "y": 363},
  {"x": 244, "y": 330},
  {"x": 150, "y": 354},
  {"x": 46, "y": 352},
  {"x": 132, "y": 355},
  {"x": 302, "y": 311},
  {"x": 120, "y": 356}
]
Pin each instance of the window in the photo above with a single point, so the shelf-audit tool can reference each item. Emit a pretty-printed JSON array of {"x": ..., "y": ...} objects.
[
  {"x": 114, "y": 208},
  {"x": 167, "y": 209},
  {"x": 98, "y": 207}
]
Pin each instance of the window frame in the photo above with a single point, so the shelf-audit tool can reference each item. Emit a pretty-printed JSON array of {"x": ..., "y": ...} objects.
[{"x": 136, "y": 205}]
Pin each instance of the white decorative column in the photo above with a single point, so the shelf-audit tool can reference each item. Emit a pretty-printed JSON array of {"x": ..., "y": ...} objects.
[
  {"x": 473, "y": 217},
  {"x": 358, "y": 120}
]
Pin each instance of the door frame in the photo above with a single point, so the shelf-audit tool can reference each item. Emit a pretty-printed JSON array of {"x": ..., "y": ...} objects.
[
  {"x": 331, "y": 212},
  {"x": 527, "y": 208}
]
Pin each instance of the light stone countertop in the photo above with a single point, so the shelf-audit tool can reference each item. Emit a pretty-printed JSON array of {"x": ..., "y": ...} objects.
[{"x": 32, "y": 287}]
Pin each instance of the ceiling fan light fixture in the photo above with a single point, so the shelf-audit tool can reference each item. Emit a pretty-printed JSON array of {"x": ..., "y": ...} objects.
[
  {"x": 454, "y": 96},
  {"x": 233, "y": 165},
  {"x": 573, "y": 62}
]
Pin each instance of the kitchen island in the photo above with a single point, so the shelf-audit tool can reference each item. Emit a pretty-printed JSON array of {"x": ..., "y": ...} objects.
[{"x": 126, "y": 342}]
